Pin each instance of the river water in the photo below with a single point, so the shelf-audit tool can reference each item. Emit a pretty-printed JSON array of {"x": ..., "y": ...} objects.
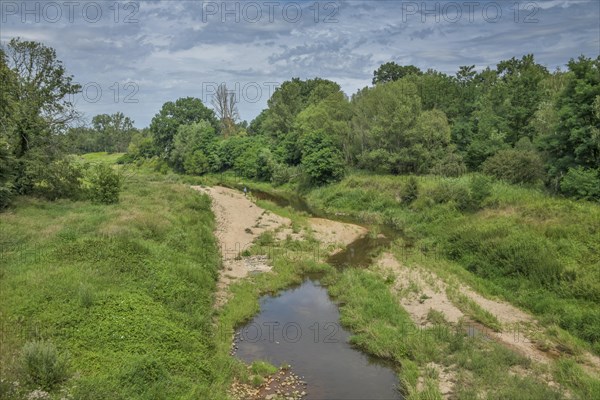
[{"x": 301, "y": 326}]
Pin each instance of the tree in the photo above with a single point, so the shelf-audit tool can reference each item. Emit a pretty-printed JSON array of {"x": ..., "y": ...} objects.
[
  {"x": 43, "y": 95},
  {"x": 322, "y": 163},
  {"x": 225, "y": 105},
  {"x": 6, "y": 174},
  {"x": 581, "y": 183},
  {"x": 576, "y": 140},
  {"x": 522, "y": 94},
  {"x": 383, "y": 116},
  {"x": 189, "y": 140},
  {"x": 114, "y": 131},
  {"x": 290, "y": 99},
  {"x": 331, "y": 115},
  {"x": 391, "y": 71},
  {"x": 183, "y": 111}
]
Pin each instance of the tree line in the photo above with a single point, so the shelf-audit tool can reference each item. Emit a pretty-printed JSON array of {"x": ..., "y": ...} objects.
[{"x": 516, "y": 121}]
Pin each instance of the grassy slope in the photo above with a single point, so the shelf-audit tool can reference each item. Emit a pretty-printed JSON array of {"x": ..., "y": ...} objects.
[
  {"x": 381, "y": 327},
  {"x": 536, "y": 251},
  {"x": 126, "y": 290}
]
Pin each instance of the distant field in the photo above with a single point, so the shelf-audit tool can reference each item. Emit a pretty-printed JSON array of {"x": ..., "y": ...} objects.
[{"x": 102, "y": 157}]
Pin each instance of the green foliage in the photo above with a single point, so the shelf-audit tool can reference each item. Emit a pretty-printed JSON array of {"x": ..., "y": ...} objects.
[
  {"x": 515, "y": 166},
  {"x": 391, "y": 71},
  {"x": 108, "y": 133},
  {"x": 7, "y": 165},
  {"x": 481, "y": 189},
  {"x": 322, "y": 163},
  {"x": 410, "y": 192},
  {"x": 42, "y": 93},
  {"x": 183, "y": 111},
  {"x": 256, "y": 161},
  {"x": 536, "y": 251},
  {"x": 104, "y": 184},
  {"x": 43, "y": 365},
  {"x": 581, "y": 183},
  {"x": 191, "y": 145},
  {"x": 140, "y": 326},
  {"x": 196, "y": 163},
  {"x": 56, "y": 179},
  {"x": 575, "y": 141}
]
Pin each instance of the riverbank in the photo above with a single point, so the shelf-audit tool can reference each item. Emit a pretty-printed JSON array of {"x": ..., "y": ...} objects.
[{"x": 556, "y": 376}]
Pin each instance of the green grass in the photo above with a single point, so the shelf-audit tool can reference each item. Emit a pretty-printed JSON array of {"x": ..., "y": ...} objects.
[
  {"x": 381, "y": 327},
  {"x": 481, "y": 368},
  {"x": 124, "y": 290},
  {"x": 101, "y": 157},
  {"x": 536, "y": 251}
]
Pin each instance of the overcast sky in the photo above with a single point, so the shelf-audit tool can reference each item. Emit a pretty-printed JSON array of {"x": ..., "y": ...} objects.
[{"x": 134, "y": 56}]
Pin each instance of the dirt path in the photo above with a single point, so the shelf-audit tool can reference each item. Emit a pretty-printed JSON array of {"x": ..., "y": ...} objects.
[{"x": 430, "y": 293}]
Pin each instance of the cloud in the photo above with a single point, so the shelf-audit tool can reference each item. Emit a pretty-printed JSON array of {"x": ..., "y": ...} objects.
[{"x": 169, "y": 49}]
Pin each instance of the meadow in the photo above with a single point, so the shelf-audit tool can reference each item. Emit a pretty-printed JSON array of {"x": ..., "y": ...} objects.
[{"x": 110, "y": 301}]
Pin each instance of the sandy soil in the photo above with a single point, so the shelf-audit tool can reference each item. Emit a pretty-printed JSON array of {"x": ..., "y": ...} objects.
[
  {"x": 415, "y": 303},
  {"x": 239, "y": 222},
  {"x": 335, "y": 235},
  {"x": 433, "y": 287}
]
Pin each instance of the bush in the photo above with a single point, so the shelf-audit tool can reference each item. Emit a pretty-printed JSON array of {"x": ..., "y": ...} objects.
[
  {"x": 6, "y": 174},
  {"x": 105, "y": 184},
  {"x": 581, "y": 183},
  {"x": 452, "y": 192},
  {"x": 481, "y": 189},
  {"x": 43, "y": 365},
  {"x": 6, "y": 195},
  {"x": 379, "y": 161},
  {"x": 196, "y": 163},
  {"x": 515, "y": 166},
  {"x": 324, "y": 166},
  {"x": 264, "y": 165},
  {"x": 451, "y": 164},
  {"x": 54, "y": 180},
  {"x": 410, "y": 191}
]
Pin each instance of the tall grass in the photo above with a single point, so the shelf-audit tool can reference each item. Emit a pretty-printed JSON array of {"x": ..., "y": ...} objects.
[
  {"x": 126, "y": 289},
  {"x": 537, "y": 251}
]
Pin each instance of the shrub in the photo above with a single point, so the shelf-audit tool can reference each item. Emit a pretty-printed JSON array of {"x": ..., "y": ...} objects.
[
  {"x": 281, "y": 174},
  {"x": 196, "y": 163},
  {"x": 43, "y": 365},
  {"x": 324, "y": 166},
  {"x": 264, "y": 165},
  {"x": 481, "y": 189},
  {"x": 410, "y": 191},
  {"x": 451, "y": 164},
  {"x": 6, "y": 174},
  {"x": 515, "y": 166},
  {"x": 379, "y": 160},
  {"x": 6, "y": 195},
  {"x": 51, "y": 179},
  {"x": 105, "y": 184},
  {"x": 581, "y": 183},
  {"x": 452, "y": 192}
]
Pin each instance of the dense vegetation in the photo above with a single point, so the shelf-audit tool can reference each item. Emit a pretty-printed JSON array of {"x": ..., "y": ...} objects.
[
  {"x": 467, "y": 166},
  {"x": 122, "y": 308},
  {"x": 537, "y": 252},
  {"x": 517, "y": 122}
]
